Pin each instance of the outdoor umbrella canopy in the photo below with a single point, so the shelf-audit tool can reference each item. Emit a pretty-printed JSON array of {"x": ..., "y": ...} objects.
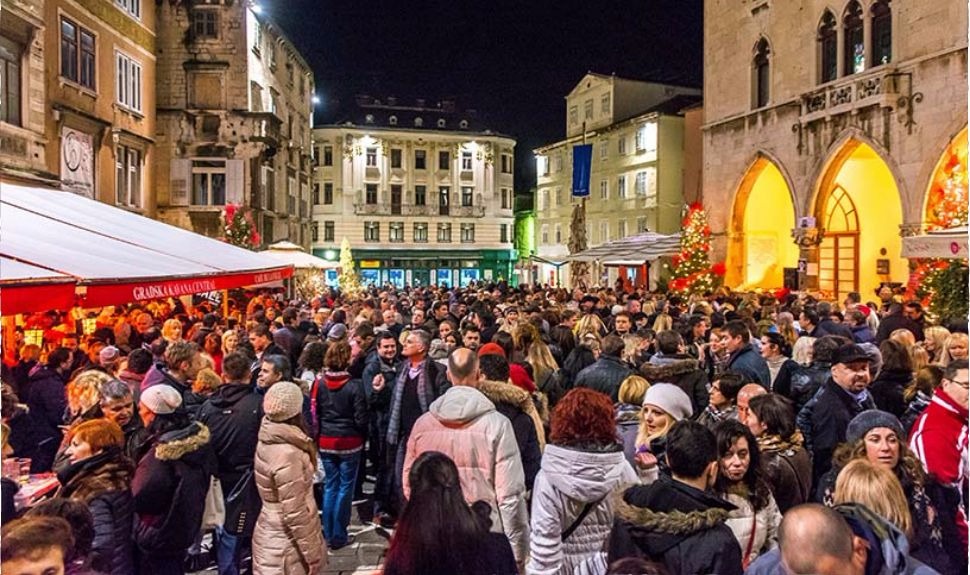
[
  {"x": 107, "y": 255},
  {"x": 292, "y": 254},
  {"x": 631, "y": 250}
]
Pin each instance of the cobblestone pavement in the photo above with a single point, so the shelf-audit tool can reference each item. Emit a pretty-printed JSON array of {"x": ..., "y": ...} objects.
[{"x": 363, "y": 557}]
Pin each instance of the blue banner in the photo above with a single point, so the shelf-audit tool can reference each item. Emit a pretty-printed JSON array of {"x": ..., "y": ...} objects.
[{"x": 582, "y": 162}]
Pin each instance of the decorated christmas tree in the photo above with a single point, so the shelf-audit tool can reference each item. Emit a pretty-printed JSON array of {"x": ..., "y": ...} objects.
[
  {"x": 348, "y": 280},
  {"x": 238, "y": 227},
  {"x": 693, "y": 271}
]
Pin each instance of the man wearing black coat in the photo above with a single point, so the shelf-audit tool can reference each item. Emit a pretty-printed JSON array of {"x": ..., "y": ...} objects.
[
  {"x": 233, "y": 414},
  {"x": 385, "y": 363},
  {"x": 670, "y": 365},
  {"x": 262, "y": 342},
  {"x": 826, "y": 326},
  {"x": 517, "y": 405},
  {"x": 608, "y": 372},
  {"x": 824, "y": 420},
  {"x": 675, "y": 520},
  {"x": 744, "y": 359},
  {"x": 289, "y": 338},
  {"x": 894, "y": 320},
  {"x": 45, "y": 396}
]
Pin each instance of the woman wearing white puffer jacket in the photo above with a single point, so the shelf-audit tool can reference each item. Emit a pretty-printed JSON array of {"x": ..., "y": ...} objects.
[{"x": 582, "y": 467}]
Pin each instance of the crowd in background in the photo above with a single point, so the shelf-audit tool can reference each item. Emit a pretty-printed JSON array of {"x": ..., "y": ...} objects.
[{"x": 525, "y": 430}]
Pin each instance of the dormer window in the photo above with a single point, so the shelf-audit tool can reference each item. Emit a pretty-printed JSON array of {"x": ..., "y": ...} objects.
[
  {"x": 418, "y": 122},
  {"x": 392, "y": 120},
  {"x": 441, "y": 122},
  {"x": 463, "y": 124}
]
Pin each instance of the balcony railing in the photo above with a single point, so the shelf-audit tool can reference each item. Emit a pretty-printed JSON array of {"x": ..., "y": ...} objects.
[
  {"x": 412, "y": 210},
  {"x": 879, "y": 87}
]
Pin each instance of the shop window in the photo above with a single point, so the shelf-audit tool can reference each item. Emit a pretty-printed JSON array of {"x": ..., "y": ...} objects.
[
  {"x": 208, "y": 182},
  {"x": 828, "y": 48},
  {"x": 854, "y": 54},
  {"x": 11, "y": 56},
  {"x": 761, "y": 79},
  {"x": 128, "y": 176},
  {"x": 882, "y": 33}
]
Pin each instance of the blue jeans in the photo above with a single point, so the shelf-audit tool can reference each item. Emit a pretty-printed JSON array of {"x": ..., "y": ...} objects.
[
  {"x": 338, "y": 492},
  {"x": 226, "y": 552}
]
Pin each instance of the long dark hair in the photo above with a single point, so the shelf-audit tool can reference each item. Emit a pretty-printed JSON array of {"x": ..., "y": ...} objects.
[
  {"x": 727, "y": 432},
  {"x": 437, "y": 531}
]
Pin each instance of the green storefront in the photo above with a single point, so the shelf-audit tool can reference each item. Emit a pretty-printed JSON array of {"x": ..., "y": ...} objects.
[{"x": 427, "y": 267}]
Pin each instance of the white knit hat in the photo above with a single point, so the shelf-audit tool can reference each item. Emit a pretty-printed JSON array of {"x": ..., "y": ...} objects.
[
  {"x": 669, "y": 398},
  {"x": 283, "y": 401},
  {"x": 161, "y": 399}
]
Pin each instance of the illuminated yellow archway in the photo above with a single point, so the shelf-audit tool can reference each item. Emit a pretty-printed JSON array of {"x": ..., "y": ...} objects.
[
  {"x": 761, "y": 223},
  {"x": 945, "y": 205},
  {"x": 859, "y": 210}
]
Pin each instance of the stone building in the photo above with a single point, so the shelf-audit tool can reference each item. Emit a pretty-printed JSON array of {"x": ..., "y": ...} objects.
[
  {"x": 422, "y": 191},
  {"x": 637, "y": 175},
  {"x": 823, "y": 155},
  {"x": 234, "y": 107},
  {"x": 78, "y": 107}
]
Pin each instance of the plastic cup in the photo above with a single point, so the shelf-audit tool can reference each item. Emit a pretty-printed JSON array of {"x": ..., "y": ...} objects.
[
  {"x": 24, "y": 464},
  {"x": 11, "y": 469}
]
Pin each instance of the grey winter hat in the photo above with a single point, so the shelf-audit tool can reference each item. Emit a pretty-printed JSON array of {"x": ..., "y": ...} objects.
[
  {"x": 871, "y": 419},
  {"x": 161, "y": 399},
  {"x": 337, "y": 331},
  {"x": 669, "y": 398}
]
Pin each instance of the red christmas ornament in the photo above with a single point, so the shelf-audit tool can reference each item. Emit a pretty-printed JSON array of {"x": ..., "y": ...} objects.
[
  {"x": 230, "y": 213},
  {"x": 719, "y": 269}
]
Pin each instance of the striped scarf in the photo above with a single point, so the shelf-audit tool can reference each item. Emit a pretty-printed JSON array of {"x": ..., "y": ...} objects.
[{"x": 394, "y": 425}]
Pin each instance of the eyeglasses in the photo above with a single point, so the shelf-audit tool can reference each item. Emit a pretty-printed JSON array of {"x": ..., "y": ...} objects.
[{"x": 963, "y": 384}]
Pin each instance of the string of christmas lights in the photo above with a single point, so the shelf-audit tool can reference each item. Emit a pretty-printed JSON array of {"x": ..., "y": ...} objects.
[{"x": 693, "y": 271}]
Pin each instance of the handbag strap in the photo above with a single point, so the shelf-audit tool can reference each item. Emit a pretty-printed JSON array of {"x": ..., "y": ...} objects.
[
  {"x": 754, "y": 528},
  {"x": 579, "y": 519}
]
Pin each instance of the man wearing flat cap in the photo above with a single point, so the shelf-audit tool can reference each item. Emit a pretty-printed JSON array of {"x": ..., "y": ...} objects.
[{"x": 825, "y": 418}]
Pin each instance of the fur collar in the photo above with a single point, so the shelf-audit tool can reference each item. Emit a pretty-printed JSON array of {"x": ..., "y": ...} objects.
[
  {"x": 86, "y": 480},
  {"x": 663, "y": 372},
  {"x": 668, "y": 522},
  {"x": 176, "y": 444},
  {"x": 501, "y": 392}
]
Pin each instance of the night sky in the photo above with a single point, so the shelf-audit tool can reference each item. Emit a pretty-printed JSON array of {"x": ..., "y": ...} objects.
[{"x": 512, "y": 60}]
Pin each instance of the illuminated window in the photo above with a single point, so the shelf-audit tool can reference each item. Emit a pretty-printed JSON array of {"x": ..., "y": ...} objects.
[
  {"x": 882, "y": 33},
  {"x": 467, "y": 233},
  {"x": 396, "y": 232},
  {"x": 444, "y": 233},
  {"x": 854, "y": 54},
  {"x": 372, "y": 231},
  {"x": 421, "y": 233},
  {"x": 828, "y": 46}
]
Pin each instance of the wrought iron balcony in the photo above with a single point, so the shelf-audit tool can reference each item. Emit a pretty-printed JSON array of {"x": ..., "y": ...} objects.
[{"x": 364, "y": 209}]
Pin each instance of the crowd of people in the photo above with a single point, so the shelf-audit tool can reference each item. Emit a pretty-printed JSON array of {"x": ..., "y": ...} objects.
[{"x": 506, "y": 430}]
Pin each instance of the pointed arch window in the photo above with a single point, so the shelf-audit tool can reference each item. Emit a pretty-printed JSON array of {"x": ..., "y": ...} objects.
[
  {"x": 882, "y": 33},
  {"x": 854, "y": 50},
  {"x": 761, "y": 74},
  {"x": 828, "y": 48}
]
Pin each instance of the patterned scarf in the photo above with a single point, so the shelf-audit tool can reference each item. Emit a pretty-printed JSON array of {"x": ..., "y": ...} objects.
[
  {"x": 394, "y": 425},
  {"x": 769, "y": 443}
]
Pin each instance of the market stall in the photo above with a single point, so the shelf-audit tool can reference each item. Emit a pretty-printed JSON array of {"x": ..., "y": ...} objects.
[{"x": 59, "y": 249}]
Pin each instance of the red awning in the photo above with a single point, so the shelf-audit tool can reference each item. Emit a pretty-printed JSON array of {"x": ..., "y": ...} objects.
[{"x": 106, "y": 255}]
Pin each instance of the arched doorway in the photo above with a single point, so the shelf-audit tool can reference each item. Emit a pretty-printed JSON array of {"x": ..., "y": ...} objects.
[
  {"x": 760, "y": 245},
  {"x": 859, "y": 210},
  {"x": 946, "y": 199}
]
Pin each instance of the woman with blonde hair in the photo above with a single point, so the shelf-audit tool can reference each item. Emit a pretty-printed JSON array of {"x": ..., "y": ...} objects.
[
  {"x": 590, "y": 323},
  {"x": 663, "y": 405},
  {"x": 663, "y": 322},
  {"x": 934, "y": 342},
  {"x": 785, "y": 322},
  {"x": 627, "y": 412},
  {"x": 84, "y": 395},
  {"x": 802, "y": 351},
  {"x": 878, "y": 438},
  {"x": 545, "y": 371},
  {"x": 903, "y": 336},
  {"x": 878, "y": 489},
  {"x": 172, "y": 330},
  {"x": 954, "y": 348}
]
